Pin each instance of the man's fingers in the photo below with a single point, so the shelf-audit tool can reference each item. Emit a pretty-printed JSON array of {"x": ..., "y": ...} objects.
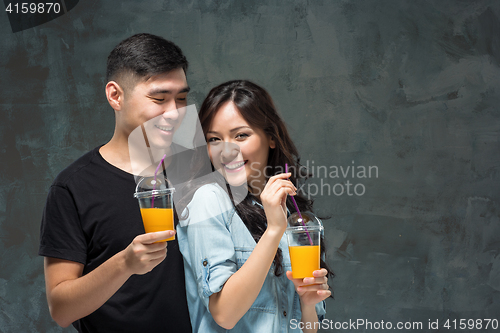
[
  {"x": 153, "y": 237},
  {"x": 156, "y": 255}
]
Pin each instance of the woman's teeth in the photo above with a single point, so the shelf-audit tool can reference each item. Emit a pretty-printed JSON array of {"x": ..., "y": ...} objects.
[{"x": 234, "y": 165}]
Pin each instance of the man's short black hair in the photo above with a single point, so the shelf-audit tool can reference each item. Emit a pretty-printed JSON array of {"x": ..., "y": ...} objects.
[{"x": 141, "y": 56}]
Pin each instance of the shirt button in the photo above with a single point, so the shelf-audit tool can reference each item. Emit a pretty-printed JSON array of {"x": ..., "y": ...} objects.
[
  {"x": 284, "y": 313},
  {"x": 205, "y": 263}
]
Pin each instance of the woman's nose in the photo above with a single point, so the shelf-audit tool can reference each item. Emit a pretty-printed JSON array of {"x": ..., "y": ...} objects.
[{"x": 229, "y": 151}]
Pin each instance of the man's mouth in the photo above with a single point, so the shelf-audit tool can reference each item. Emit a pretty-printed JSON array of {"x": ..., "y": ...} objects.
[
  {"x": 165, "y": 128},
  {"x": 234, "y": 166}
]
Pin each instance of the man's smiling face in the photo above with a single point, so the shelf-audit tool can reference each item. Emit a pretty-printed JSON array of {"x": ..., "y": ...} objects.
[{"x": 157, "y": 103}]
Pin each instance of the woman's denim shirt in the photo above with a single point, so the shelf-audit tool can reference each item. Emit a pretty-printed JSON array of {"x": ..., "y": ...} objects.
[{"x": 215, "y": 243}]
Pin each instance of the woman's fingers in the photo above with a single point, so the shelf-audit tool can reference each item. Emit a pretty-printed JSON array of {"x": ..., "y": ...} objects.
[
  {"x": 311, "y": 283},
  {"x": 308, "y": 281},
  {"x": 273, "y": 199},
  {"x": 320, "y": 272},
  {"x": 312, "y": 293},
  {"x": 312, "y": 287},
  {"x": 324, "y": 293},
  {"x": 279, "y": 186},
  {"x": 281, "y": 176}
]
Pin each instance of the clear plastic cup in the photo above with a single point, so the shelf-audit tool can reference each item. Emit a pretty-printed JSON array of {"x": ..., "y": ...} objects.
[
  {"x": 156, "y": 205},
  {"x": 304, "y": 236}
]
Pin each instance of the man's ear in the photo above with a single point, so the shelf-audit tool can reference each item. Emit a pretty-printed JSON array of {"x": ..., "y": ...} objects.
[{"x": 115, "y": 95}]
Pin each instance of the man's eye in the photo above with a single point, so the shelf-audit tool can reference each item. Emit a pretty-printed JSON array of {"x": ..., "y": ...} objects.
[
  {"x": 159, "y": 99},
  {"x": 181, "y": 99}
]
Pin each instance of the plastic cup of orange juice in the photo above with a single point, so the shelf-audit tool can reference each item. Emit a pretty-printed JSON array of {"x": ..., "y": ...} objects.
[
  {"x": 304, "y": 236},
  {"x": 157, "y": 209}
]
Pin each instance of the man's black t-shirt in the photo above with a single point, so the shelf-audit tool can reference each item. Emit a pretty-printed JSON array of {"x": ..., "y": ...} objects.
[{"x": 91, "y": 215}]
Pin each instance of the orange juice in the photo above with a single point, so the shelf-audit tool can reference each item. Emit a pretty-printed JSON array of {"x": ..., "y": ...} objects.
[
  {"x": 304, "y": 259},
  {"x": 158, "y": 219}
]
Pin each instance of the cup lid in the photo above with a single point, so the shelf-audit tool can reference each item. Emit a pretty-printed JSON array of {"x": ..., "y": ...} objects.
[
  {"x": 146, "y": 194},
  {"x": 149, "y": 186},
  {"x": 308, "y": 221}
]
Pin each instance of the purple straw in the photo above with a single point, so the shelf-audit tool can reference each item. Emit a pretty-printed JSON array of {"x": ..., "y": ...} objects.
[
  {"x": 298, "y": 211},
  {"x": 154, "y": 184}
]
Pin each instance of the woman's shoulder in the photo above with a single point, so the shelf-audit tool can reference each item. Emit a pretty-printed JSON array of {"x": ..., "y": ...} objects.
[
  {"x": 209, "y": 201},
  {"x": 210, "y": 187},
  {"x": 210, "y": 191}
]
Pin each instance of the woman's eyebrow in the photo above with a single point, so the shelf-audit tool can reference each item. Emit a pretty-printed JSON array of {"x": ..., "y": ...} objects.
[
  {"x": 232, "y": 130},
  {"x": 238, "y": 128}
]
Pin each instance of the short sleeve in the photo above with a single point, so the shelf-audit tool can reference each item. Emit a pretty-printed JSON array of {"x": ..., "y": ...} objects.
[
  {"x": 61, "y": 234},
  {"x": 205, "y": 240}
]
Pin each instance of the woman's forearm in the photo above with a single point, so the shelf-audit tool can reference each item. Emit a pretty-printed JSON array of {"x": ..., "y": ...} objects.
[
  {"x": 309, "y": 315},
  {"x": 242, "y": 288}
]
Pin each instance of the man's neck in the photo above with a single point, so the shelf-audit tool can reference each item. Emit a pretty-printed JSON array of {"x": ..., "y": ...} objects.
[{"x": 118, "y": 153}]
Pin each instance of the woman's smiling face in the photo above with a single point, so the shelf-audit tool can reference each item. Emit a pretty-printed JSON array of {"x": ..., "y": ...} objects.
[{"x": 237, "y": 150}]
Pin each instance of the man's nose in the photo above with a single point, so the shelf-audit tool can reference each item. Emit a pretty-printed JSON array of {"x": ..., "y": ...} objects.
[{"x": 171, "y": 111}]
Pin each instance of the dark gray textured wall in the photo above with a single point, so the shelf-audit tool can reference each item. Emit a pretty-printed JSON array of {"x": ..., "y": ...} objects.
[{"x": 409, "y": 87}]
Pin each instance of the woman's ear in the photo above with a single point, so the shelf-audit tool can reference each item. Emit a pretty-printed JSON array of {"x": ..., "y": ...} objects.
[
  {"x": 114, "y": 94},
  {"x": 272, "y": 143}
]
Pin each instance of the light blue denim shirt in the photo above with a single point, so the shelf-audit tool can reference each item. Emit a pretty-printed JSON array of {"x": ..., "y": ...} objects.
[{"x": 215, "y": 243}]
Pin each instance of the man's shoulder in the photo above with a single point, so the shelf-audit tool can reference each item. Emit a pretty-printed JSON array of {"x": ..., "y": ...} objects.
[{"x": 74, "y": 170}]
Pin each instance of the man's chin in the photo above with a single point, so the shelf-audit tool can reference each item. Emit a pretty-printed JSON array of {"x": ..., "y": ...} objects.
[{"x": 157, "y": 143}]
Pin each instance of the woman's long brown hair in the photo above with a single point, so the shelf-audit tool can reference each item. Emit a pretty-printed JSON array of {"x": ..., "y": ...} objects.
[{"x": 257, "y": 108}]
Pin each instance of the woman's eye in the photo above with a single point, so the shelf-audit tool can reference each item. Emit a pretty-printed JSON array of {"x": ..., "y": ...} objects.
[
  {"x": 212, "y": 139},
  {"x": 242, "y": 136},
  {"x": 159, "y": 99}
]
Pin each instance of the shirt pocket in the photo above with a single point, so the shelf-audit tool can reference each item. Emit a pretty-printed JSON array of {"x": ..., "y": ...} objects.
[
  {"x": 242, "y": 254},
  {"x": 287, "y": 264},
  {"x": 267, "y": 298}
]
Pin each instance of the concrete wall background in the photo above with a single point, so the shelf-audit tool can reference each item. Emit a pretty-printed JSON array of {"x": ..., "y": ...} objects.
[{"x": 411, "y": 87}]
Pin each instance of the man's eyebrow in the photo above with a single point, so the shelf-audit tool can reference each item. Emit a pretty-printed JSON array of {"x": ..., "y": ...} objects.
[{"x": 163, "y": 91}]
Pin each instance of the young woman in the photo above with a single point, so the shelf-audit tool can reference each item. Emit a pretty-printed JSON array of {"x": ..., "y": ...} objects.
[{"x": 236, "y": 255}]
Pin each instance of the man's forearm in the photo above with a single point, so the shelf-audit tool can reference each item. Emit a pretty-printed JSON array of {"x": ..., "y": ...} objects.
[
  {"x": 76, "y": 298},
  {"x": 72, "y": 296}
]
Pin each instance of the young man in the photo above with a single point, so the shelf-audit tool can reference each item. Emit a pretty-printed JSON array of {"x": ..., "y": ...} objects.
[{"x": 102, "y": 273}]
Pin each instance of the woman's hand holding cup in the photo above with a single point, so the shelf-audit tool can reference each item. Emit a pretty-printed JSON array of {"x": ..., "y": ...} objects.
[{"x": 312, "y": 290}]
